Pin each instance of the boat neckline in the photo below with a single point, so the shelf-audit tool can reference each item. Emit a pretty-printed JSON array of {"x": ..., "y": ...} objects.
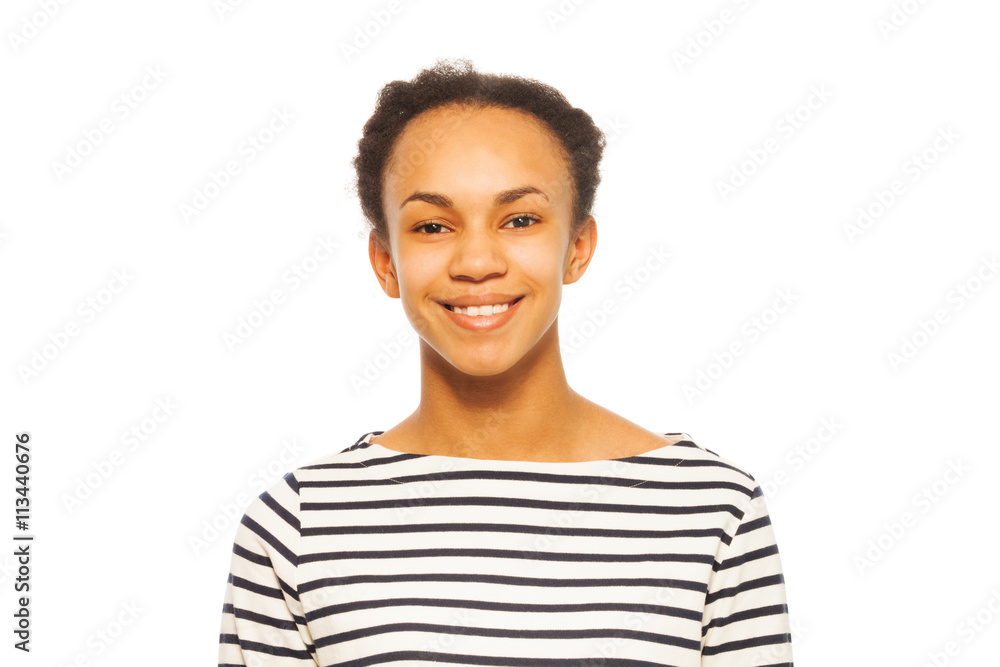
[{"x": 649, "y": 453}]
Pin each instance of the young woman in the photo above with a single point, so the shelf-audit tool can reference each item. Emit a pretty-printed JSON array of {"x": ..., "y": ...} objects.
[{"x": 508, "y": 520}]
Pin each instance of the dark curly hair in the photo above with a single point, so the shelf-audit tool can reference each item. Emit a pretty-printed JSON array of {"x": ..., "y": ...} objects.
[{"x": 458, "y": 82}]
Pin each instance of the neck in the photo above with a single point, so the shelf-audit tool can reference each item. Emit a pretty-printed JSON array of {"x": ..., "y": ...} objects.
[{"x": 519, "y": 414}]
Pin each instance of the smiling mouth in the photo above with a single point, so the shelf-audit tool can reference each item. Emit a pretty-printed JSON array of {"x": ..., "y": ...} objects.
[{"x": 481, "y": 311}]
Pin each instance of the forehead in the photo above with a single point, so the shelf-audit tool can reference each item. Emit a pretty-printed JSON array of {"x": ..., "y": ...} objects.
[{"x": 456, "y": 149}]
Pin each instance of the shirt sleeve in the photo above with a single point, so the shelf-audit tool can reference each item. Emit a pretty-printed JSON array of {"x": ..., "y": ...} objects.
[
  {"x": 746, "y": 618},
  {"x": 262, "y": 619}
]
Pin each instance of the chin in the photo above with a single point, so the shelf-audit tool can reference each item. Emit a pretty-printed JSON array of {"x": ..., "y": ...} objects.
[
  {"x": 483, "y": 361},
  {"x": 481, "y": 366}
]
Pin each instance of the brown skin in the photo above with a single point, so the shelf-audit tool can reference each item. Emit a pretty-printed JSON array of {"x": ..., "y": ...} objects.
[{"x": 499, "y": 394}]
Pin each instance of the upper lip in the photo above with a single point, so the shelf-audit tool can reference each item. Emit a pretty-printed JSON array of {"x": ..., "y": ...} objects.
[{"x": 481, "y": 300}]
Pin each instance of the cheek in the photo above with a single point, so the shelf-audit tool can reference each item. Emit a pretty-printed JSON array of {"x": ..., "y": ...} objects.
[
  {"x": 540, "y": 264},
  {"x": 418, "y": 270}
]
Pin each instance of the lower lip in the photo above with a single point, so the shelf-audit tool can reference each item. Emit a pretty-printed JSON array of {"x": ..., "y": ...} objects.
[{"x": 483, "y": 322}]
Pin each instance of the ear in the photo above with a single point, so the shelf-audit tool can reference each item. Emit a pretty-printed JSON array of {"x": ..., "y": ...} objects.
[
  {"x": 382, "y": 264},
  {"x": 580, "y": 251}
]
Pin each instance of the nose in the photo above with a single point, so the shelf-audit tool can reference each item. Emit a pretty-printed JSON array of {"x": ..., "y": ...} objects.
[{"x": 478, "y": 254}]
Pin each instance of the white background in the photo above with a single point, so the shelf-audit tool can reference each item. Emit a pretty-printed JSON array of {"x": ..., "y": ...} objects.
[{"x": 284, "y": 396}]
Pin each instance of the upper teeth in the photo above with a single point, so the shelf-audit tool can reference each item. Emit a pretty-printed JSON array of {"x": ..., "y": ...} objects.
[{"x": 482, "y": 310}]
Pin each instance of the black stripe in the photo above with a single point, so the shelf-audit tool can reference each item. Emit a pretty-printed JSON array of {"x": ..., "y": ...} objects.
[
  {"x": 260, "y": 589},
  {"x": 292, "y": 593},
  {"x": 279, "y": 623},
  {"x": 526, "y": 554},
  {"x": 684, "y": 443},
  {"x": 292, "y": 483},
  {"x": 276, "y": 507},
  {"x": 751, "y": 642},
  {"x": 491, "y": 501},
  {"x": 756, "y": 554},
  {"x": 280, "y": 651},
  {"x": 751, "y": 526},
  {"x": 263, "y": 561},
  {"x": 512, "y": 528},
  {"x": 745, "y": 586},
  {"x": 746, "y": 614},
  {"x": 270, "y": 539},
  {"x": 596, "y": 633},
  {"x": 521, "y": 607},
  {"x": 495, "y": 661},
  {"x": 516, "y": 475},
  {"x": 636, "y": 460},
  {"x": 307, "y": 586}
]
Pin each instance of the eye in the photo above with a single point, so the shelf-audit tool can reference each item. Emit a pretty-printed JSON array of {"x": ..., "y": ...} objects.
[
  {"x": 530, "y": 218},
  {"x": 429, "y": 224}
]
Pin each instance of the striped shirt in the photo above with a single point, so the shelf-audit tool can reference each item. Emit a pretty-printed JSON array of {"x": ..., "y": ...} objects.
[{"x": 371, "y": 556}]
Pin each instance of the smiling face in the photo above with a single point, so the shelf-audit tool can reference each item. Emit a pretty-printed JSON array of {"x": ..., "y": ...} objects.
[{"x": 478, "y": 203}]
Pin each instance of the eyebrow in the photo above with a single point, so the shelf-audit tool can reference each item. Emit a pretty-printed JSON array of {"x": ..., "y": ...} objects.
[{"x": 499, "y": 199}]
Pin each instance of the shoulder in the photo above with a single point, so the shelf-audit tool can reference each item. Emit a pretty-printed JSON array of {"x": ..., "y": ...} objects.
[
  {"x": 274, "y": 516},
  {"x": 746, "y": 495},
  {"x": 270, "y": 525},
  {"x": 350, "y": 457},
  {"x": 706, "y": 468},
  {"x": 698, "y": 452},
  {"x": 341, "y": 464},
  {"x": 280, "y": 504}
]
